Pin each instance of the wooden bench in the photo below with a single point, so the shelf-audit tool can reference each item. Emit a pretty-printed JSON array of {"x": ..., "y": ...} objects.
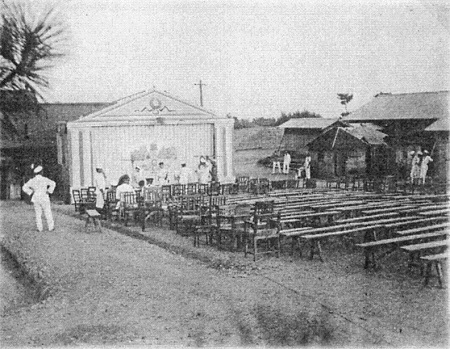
[
  {"x": 423, "y": 229},
  {"x": 328, "y": 205},
  {"x": 292, "y": 234},
  {"x": 367, "y": 218},
  {"x": 323, "y": 218},
  {"x": 416, "y": 250},
  {"x": 315, "y": 239},
  {"x": 387, "y": 210},
  {"x": 436, "y": 260},
  {"x": 392, "y": 227},
  {"x": 95, "y": 217},
  {"x": 435, "y": 212},
  {"x": 371, "y": 247}
]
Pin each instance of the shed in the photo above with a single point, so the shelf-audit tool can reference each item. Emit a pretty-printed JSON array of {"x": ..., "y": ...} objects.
[
  {"x": 144, "y": 129},
  {"x": 298, "y": 132},
  {"x": 356, "y": 149}
]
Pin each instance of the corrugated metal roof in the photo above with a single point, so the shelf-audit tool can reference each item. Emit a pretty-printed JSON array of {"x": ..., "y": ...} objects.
[
  {"x": 420, "y": 105},
  {"x": 366, "y": 132},
  {"x": 439, "y": 125},
  {"x": 308, "y": 123}
]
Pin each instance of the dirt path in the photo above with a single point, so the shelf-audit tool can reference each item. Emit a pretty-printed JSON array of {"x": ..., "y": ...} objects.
[{"x": 110, "y": 288}]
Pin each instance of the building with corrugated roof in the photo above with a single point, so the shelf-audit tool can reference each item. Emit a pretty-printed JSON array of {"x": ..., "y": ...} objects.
[
  {"x": 298, "y": 132},
  {"x": 142, "y": 130},
  {"x": 412, "y": 121},
  {"x": 349, "y": 149}
]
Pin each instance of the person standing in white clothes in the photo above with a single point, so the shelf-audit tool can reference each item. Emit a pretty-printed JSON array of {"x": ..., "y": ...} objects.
[
  {"x": 185, "y": 174},
  {"x": 415, "y": 167},
  {"x": 276, "y": 162},
  {"x": 307, "y": 166},
  {"x": 424, "y": 165},
  {"x": 40, "y": 187},
  {"x": 286, "y": 162},
  {"x": 100, "y": 188}
]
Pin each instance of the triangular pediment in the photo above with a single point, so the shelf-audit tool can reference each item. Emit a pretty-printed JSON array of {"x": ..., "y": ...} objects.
[{"x": 149, "y": 105}]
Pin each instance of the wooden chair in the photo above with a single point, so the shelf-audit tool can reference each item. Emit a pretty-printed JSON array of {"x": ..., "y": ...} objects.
[
  {"x": 203, "y": 188},
  {"x": 77, "y": 201},
  {"x": 207, "y": 226},
  {"x": 91, "y": 193},
  {"x": 178, "y": 189},
  {"x": 130, "y": 207},
  {"x": 187, "y": 216},
  {"x": 231, "y": 225},
  {"x": 253, "y": 186},
  {"x": 242, "y": 184},
  {"x": 214, "y": 188},
  {"x": 226, "y": 189},
  {"x": 191, "y": 188},
  {"x": 87, "y": 198},
  {"x": 166, "y": 190},
  {"x": 262, "y": 229},
  {"x": 111, "y": 205},
  {"x": 151, "y": 207}
]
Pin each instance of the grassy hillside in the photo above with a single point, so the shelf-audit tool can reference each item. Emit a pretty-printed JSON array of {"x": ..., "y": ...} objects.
[
  {"x": 252, "y": 144},
  {"x": 257, "y": 138}
]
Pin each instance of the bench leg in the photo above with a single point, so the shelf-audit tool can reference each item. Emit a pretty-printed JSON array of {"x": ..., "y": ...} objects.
[
  {"x": 439, "y": 272},
  {"x": 316, "y": 248}
]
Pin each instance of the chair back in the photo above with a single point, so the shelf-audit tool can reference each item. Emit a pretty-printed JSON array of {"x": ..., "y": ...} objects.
[
  {"x": 111, "y": 196},
  {"x": 166, "y": 190},
  {"x": 214, "y": 188},
  {"x": 191, "y": 188},
  {"x": 190, "y": 203},
  {"x": 226, "y": 189},
  {"x": 178, "y": 189},
  {"x": 91, "y": 192},
  {"x": 84, "y": 194},
  {"x": 243, "y": 183},
  {"x": 129, "y": 199},
  {"x": 203, "y": 188},
  {"x": 76, "y": 196},
  {"x": 151, "y": 195}
]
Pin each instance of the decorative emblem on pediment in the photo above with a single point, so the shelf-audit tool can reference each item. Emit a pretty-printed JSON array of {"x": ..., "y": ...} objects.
[{"x": 155, "y": 106}]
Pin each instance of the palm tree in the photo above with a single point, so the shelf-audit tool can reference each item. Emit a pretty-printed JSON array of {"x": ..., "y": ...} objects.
[
  {"x": 29, "y": 41},
  {"x": 345, "y": 99}
]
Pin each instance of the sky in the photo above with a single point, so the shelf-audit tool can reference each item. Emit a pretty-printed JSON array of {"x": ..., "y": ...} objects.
[{"x": 256, "y": 58}]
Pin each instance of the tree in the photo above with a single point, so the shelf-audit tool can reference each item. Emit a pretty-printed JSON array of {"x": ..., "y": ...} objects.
[
  {"x": 29, "y": 41},
  {"x": 345, "y": 98},
  {"x": 296, "y": 115}
]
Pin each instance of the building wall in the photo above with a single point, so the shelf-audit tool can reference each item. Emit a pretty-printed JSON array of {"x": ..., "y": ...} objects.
[
  {"x": 441, "y": 156},
  {"x": 338, "y": 163},
  {"x": 122, "y": 147},
  {"x": 298, "y": 139}
]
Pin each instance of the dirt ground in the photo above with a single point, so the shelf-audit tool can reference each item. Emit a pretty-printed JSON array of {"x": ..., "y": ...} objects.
[{"x": 124, "y": 287}]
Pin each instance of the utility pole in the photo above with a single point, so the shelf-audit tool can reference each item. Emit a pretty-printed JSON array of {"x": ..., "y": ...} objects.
[{"x": 201, "y": 92}]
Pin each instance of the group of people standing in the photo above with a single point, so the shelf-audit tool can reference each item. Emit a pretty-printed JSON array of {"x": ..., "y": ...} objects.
[
  {"x": 419, "y": 166},
  {"x": 126, "y": 184},
  {"x": 276, "y": 164}
]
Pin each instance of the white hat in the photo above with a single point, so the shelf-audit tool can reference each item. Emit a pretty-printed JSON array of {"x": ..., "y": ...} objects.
[
  {"x": 412, "y": 152},
  {"x": 99, "y": 167},
  {"x": 425, "y": 151},
  {"x": 38, "y": 169},
  {"x": 419, "y": 153}
]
